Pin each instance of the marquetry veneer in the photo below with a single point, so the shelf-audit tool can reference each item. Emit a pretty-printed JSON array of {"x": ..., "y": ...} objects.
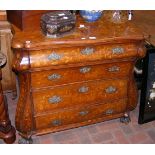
[{"x": 80, "y": 79}]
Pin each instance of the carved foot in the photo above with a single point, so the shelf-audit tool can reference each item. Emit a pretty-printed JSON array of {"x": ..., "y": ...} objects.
[
  {"x": 8, "y": 134},
  {"x": 125, "y": 119},
  {"x": 10, "y": 140},
  {"x": 25, "y": 141}
]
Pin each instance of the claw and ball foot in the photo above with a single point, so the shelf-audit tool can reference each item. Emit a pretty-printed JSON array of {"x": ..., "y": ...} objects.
[
  {"x": 125, "y": 119},
  {"x": 25, "y": 141}
]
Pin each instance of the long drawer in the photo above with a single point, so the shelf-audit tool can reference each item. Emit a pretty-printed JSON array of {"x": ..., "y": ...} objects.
[
  {"x": 80, "y": 114},
  {"x": 72, "y": 95},
  {"x": 72, "y": 55},
  {"x": 69, "y": 75}
]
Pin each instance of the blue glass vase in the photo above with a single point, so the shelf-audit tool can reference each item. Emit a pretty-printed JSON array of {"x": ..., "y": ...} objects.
[{"x": 91, "y": 15}]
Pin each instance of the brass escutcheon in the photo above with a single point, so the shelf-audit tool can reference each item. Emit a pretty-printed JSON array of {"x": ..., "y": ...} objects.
[
  {"x": 54, "y": 99},
  {"x": 56, "y": 122},
  {"x": 109, "y": 111},
  {"x": 83, "y": 113},
  {"x": 118, "y": 50},
  {"x": 54, "y": 76},
  {"x": 54, "y": 56},
  {"x": 114, "y": 69},
  {"x": 110, "y": 89},
  {"x": 87, "y": 51},
  {"x": 83, "y": 89},
  {"x": 85, "y": 70}
]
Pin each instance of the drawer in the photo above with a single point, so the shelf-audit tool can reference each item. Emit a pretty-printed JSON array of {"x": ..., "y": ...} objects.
[
  {"x": 80, "y": 114},
  {"x": 78, "y": 94},
  {"x": 71, "y": 55},
  {"x": 69, "y": 75}
]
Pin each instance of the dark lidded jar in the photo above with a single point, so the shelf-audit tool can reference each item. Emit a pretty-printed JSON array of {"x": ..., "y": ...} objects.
[{"x": 57, "y": 24}]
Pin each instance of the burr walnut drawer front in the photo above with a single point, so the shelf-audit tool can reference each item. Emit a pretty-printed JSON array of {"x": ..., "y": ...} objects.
[
  {"x": 72, "y": 55},
  {"x": 80, "y": 93},
  {"x": 69, "y": 75},
  {"x": 80, "y": 114}
]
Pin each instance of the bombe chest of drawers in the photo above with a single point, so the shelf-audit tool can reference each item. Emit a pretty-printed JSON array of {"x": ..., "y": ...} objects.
[{"x": 83, "y": 78}]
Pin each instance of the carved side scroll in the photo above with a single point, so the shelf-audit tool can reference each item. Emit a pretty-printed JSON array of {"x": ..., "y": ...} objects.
[{"x": 24, "y": 123}]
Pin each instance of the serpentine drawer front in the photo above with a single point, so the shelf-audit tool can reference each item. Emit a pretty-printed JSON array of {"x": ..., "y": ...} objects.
[
  {"x": 69, "y": 75},
  {"x": 80, "y": 114},
  {"x": 70, "y": 55},
  {"x": 79, "y": 79},
  {"x": 79, "y": 94}
]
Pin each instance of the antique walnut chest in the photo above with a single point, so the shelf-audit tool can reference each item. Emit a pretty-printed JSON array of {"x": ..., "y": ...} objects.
[{"x": 80, "y": 79}]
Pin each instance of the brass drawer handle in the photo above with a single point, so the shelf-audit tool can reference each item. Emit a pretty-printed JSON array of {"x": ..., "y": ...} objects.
[
  {"x": 87, "y": 51},
  {"x": 118, "y": 50},
  {"x": 114, "y": 69},
  {"x": 111, "y": 89},
  {"x": 56, "y": 122},
  {"x": 54, "y": 99},
  {"x": 83, "y": 113},
  {"x": 83, "y": 89},
  {"x": 54, "y": 76},
  {"x": 109, "y": 112},
  {"x": 85, "y": 70},
  {"x": 54, "y": 56}
]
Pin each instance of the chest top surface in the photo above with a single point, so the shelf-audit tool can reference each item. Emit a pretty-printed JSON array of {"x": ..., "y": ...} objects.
[{"x": 100, "y": 32}]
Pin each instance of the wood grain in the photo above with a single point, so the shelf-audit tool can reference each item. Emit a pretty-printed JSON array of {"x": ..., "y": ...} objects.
[
  {"x": 75, "y": 115},
  {"x": 77, "y": 74},
  {"x": 54, "y": 89},
  {"x": 71, "y": 96}
]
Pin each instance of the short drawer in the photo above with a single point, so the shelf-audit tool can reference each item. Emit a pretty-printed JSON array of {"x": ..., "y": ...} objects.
[
  {"x": 72, "y": 55},
  {"x": 69, "y": 75},
  {"x": 78, "y": 94},
  {"x": 80, "y": 114}
]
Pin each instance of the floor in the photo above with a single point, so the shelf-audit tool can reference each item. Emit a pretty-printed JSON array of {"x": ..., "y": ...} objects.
[{"x": 109, "y": 132}]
